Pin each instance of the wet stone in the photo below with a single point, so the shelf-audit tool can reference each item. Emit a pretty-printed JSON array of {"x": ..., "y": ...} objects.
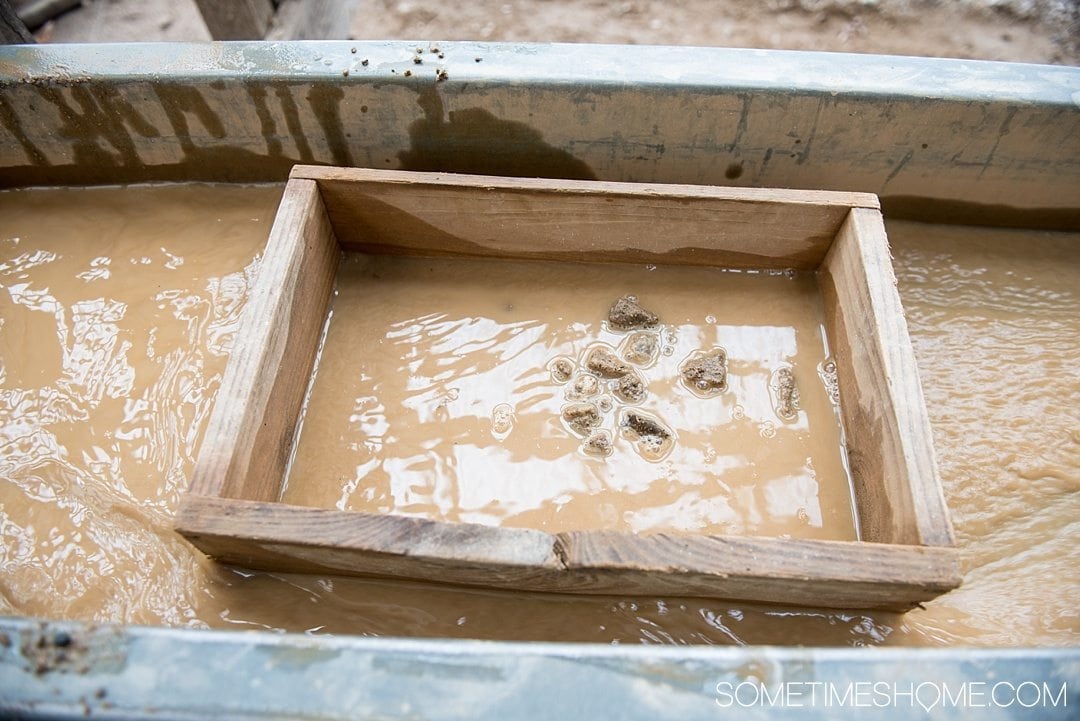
[
  {"x": 641, "y": 348},
  {"x": 652, "y": 439},
  {"x": 827, "y": 372},
  {"x": 631, "y": 388},
  {"x": 584, "y": 386},
  {"x": 581, "y": 417},
  {"x": 787, "y": 394},
  {"x": 561, "y": 368},
  {"x": 627, "y": 314},
  {"x": 706, "y": 372},
  {"x": 605, "y": 363},
  {"x": 599, "y": 443},
  {"x": 651, "y": 445},
  {"x": 644, "y": 425},
  {"x": 502, "y": 420}
]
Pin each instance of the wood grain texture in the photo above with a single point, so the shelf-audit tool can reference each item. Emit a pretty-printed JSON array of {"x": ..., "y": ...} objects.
[
  {"x": 833, "y": 574},
  {"x": 890, "y": 446},
  {"x": 230, "y": 512},
  {"x": 446, "y": 214},
  {"x": 250, "y": 432},
  {"x": 816, "y": 573},
  {"x": 388, "y": 534}
]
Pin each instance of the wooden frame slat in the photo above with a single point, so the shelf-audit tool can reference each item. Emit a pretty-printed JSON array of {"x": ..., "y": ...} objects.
[
  {"x": 889, "y": 441},
  {"x": 836, "y": 574},
  {"x": 250, "y": 433},
  {"x": 469, "y": 215},
  {"x": 232, "y": 512}
]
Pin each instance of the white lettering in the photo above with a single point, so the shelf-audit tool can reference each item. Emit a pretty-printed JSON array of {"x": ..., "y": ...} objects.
[
  {"x": 994, "y": 694},
  {"x": 1060, "y": 697},
  {"x": 927, "y": 695},
  {"x": 771, "y": 700},
  {"x": 910, "y": 693},
  {"x": 753, "y": 687},
  {"x": 934, "y": 693},
  {"x": 1020, "y": 698},
  {"x": 841, "y": 700},
  {"x": 949, "y": 699},
  {"x": 724, "y": 697}
]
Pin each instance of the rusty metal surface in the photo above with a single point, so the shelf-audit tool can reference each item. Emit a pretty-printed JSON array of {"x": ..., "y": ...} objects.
[
  {"x": 157, "y": 673},
  {"x": 937, "y": 139}
]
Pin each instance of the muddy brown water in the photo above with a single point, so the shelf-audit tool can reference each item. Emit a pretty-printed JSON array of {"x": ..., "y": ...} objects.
[
  {"x": 118, "y": 309},
  {"x": 436, "y": 396}
]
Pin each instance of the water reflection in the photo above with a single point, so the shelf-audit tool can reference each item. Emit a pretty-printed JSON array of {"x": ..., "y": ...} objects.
[
  {"x": 436, "y": 396},
  {"x": 109, "y": 366}
]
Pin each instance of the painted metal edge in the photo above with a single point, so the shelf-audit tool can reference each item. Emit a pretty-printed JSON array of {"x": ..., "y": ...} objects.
[
  {"x": 558, "y": 63},
  {"x": 73, "y": 670},
  {"x": 944, "y": 140}
]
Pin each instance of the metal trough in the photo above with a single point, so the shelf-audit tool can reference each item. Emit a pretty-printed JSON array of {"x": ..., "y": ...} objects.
[{"x": 938, "y": 140}]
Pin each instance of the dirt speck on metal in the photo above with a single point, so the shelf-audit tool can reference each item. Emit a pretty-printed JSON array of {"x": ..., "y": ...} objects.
[{"x": 74, "y": 649}]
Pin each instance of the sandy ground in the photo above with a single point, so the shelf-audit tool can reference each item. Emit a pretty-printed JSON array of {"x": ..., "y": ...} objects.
[{"x": 1038, "y": 31}]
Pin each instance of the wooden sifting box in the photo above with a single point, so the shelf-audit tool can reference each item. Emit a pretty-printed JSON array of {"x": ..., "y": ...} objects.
[{"x": 906, "y": 554}]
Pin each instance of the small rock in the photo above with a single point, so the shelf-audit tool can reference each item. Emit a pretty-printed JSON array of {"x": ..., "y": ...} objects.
[
  {"x": 641, "y": 348},
  {"x": 644, "y": 425},
  {"x": 598, "y": 444},
  {"x": 502, "y": 420},
  {"x": 787, "y": 394},
  {"x": 627, "y": 314},
  {"x": 631, "y": 388},
  {"x": 561, "y": 368},
  {"x": 581, "y": 417},
  {"x": 706, "y": 372},
  {"x": 651, "y": 438},
  {"x": 651, "y": 446},
  {"x": 584, "y": 386},
  {"x": 827, "y": 372},
  {"x": 605, "y": 363}
]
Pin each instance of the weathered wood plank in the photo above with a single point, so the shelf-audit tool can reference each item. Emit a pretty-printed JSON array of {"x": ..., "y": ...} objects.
[
  {"x": 366, "y": 543},
  {"x": 818, "y": 573},
  {"x": 889, "y": 441},
  {"x": 231, "y": 511},
  {"x": 446, "y": 214},
  {"x": 236, "y": 19},
  {"x": 833, "y": 574},
  {"x": 250, "y": 432}
]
